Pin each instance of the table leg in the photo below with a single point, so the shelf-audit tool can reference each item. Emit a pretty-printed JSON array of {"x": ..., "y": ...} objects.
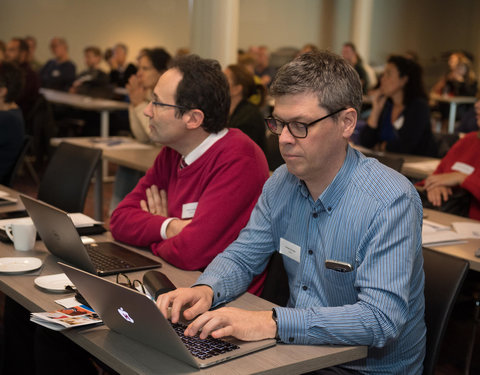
[
  {"x": 104, "y": 132},
  {"x": 451, "y": 117},
  {"x": 98, "y": 192}
]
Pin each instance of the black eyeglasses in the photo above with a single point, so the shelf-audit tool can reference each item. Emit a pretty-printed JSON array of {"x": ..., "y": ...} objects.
[
  {"x": 168, "y": 105},
  {"x": 124, "y": 280},
  {"x": 296, "y": 128}
]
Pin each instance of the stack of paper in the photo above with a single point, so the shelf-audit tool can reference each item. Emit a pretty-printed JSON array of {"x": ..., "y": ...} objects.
[{"x": 434, "y": 234}]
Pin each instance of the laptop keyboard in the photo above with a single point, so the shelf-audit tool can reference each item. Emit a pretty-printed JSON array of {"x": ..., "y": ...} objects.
[
  {"x": 205, "y": 348},
  {"x": 105, "y": 262}
]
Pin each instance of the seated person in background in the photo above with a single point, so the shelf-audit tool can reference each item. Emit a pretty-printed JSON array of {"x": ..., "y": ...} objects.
[
  {"x": 12, "y": 128},
  {"x": 243, "y": 114},
  {"x": 460, "y": 168},
  {"x": 349, "y": 53},
  {"x": 121, "y": 70},
  {"x": 59, "y": 72},
  {"x": 460, "y": 80},
  {"x": 400, "y": 116},
  {"x": 17, "y": 53},
  {"x": 329, "y": 202},
  {"x": 151, "y": 65},
  {"x": 262, "y": 64},
  {"x": 32, "y": 47},
  {"x": 206, "y": 180},
  {"x": 93, "y": 81}
]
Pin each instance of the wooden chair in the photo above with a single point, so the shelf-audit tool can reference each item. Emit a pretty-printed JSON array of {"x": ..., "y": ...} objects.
[{"x": 67, "y": 177}]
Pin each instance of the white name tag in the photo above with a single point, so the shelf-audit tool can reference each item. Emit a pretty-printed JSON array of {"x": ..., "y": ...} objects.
[
  {"x": 290, "y": 249},
  {"x": 463, "y": 168},
  {"x": 188, "y": 210}
]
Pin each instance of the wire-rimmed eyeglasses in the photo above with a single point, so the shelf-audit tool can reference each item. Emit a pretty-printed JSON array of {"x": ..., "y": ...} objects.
[{"x": 296, "y": 128}]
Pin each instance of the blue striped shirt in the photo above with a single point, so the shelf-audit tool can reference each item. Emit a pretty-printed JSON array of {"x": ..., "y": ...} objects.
[{"x": 370, "y": 217}]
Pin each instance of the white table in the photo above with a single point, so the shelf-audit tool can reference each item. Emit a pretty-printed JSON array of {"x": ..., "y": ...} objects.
[{"x": 103, "y": 106}]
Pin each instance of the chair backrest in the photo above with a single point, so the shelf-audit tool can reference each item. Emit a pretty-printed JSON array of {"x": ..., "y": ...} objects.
[
  {"x": 18, "y": 163},
  {"x": 393, "y": 162},
  {"x": 444, "y": 276},
  {"x": 67, "y": 177}
]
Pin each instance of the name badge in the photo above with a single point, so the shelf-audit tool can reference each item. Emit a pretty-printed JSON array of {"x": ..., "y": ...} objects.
[
  {"x": 188, "y": 210},
  {"x": 56, "y": 73},
  {"x": 290, "y": 249},
  {"x": 463, "y": 168}
]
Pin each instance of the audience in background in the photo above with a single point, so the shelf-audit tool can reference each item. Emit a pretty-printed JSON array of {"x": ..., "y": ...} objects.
[
  {"x": 191, "y": 204},
  {"x": 12, "y": 128},
  {"x": 349, "y": 53},
  {"x": 400, "y": 116},
  {"x": 93, "y": 81},
  {"x": 32, "y": 47},
  {"x": 151, "y": 65},
  {"x": 59, "y": 72},
  {"x": 459, "y": 169},
  {"x": 243, "y": 114},
  {"x": 17, "y": 53},
  {"x": 121, "y": 69}
]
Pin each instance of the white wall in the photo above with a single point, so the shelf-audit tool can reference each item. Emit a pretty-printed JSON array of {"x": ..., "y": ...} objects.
[{"x": 279, "y": 23}]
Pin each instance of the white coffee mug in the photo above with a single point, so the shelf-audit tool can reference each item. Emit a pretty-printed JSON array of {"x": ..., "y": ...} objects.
[{"x": 23, "y": 234}]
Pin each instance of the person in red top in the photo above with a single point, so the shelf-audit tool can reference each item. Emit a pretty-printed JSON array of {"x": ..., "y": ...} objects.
[
  {"x": 198, "y": 195},
  {"x": 460, "y": 167}
]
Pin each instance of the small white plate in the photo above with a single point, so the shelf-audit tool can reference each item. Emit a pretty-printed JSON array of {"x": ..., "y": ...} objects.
[
  {"x": 19, "y": 264},
  {"x": 53, "y": 283}
]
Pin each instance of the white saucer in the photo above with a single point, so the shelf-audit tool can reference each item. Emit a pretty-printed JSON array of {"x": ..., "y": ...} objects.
[
  {"x": 53, "y": 283},
  {"x": 19, "y": 264}
]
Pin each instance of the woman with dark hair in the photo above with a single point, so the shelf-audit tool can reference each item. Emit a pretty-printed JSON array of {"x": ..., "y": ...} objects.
[
  {"x": 151, "y": 64},
  {"x": 243, "y": 114},
  {"x": 400, "y": 116},
  {"x": 12, "y": 127}
]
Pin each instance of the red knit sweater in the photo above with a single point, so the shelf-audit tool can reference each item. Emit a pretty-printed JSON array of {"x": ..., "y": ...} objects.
[
  {"x": 226, "y": 181},
  {"x": 466, "y": 150}
]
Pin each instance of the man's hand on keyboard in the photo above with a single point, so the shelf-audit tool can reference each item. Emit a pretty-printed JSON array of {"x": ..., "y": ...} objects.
[
  {"x": 198, "y": 299},
  {"x": 230, "y": 321}
]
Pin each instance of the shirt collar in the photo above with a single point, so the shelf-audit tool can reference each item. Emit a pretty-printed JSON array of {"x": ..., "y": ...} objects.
[
  {"x": 332, "y": 195},
  {"x": 204, "y": 146}
]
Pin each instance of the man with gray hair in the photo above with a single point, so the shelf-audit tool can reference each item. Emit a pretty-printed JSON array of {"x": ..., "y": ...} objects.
[{"x": 348, "y": 230}]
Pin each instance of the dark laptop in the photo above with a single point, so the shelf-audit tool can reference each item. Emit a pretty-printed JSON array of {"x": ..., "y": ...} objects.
[
  {"x": 135, "y": 315},
  {"x": 62, "y": 239}
]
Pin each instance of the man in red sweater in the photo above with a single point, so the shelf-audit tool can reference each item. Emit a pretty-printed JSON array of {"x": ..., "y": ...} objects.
[{"x": 200, "y": 191}]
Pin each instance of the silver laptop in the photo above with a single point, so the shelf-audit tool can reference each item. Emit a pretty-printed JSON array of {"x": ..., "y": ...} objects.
[
  {"x": 135, "y": 315},
  {"x": 62, "y": 239}
]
